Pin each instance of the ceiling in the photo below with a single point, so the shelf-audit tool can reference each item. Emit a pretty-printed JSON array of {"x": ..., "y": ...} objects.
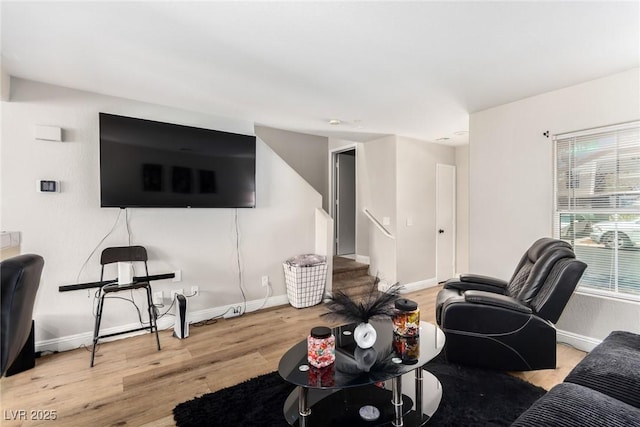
[{"x": 416, "y": 69}]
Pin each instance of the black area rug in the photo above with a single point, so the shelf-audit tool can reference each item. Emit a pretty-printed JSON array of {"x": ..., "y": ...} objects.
[
  {"x": 471, "y": 397},
  {"x": 478, "y": 397}
]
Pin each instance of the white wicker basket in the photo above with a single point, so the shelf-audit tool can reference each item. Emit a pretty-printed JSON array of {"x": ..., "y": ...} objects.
[{"x": 305, "y": 284}]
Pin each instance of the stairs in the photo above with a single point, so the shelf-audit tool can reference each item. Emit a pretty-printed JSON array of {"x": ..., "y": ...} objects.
[{"x": 351, "y": 277}]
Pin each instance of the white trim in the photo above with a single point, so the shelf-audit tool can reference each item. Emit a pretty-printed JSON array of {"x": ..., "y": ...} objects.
[
  {"x": 572, "y": 138},
  {"x": 9, "y": 239},
  {"x": 332, "y": 153},
  {"x": 363, "y": 259},
  {"x": 578, "y": 341},
  {"x": 454, "y": 207},
  {"x": 420, "y": 285},
  {"x": 332, "y": 196},
  {"x": 585, "y": 290},
  {"x": 383, "y": 286},
  {"x": 596, "y": 130},
  {"x": 377, "y": 223},
  {"x": 71, "y": 342},
  {"x": 324, "y": 242}
]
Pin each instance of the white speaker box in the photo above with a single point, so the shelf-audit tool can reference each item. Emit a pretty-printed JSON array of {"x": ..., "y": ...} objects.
[
  {"x": 181, "y": 327},
  {"x": 125, "y": 273},
  {"x": 48, "y": 133}
]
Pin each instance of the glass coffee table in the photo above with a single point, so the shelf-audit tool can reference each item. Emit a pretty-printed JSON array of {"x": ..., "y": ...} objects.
[{"x": 383, "y": 385}]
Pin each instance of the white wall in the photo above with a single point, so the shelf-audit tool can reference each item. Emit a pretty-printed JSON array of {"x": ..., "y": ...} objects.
[
  {"x": 462, "y": 209},
  {"x": 511, "y": 188},
  {"x": 64, "y": 228},
  {"x": 362, "y": 191},
  {"x": 306, "y": 154},
  {"x": 324, "y": 243},
  {"x": 397, "y": 180},
  {"x": 377, "y": 179},
  {"x": 416, "y": 201},
  {"x": 5, "y": 85}
]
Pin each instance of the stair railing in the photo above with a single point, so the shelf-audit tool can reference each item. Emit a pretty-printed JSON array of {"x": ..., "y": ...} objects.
[{"x": 377, "y": 223}]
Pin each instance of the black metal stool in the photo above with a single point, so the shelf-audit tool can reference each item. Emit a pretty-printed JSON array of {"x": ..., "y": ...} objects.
[{"x": 124, "y": 254}]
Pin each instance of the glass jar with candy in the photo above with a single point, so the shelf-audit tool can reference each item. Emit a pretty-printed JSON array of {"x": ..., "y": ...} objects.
[
  {"x": 406, "y": 318},
  {"x": 321, "y": 347}
]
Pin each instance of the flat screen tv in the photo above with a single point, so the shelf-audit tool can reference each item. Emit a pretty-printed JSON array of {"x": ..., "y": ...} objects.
[{"x": 149, "y": 164}]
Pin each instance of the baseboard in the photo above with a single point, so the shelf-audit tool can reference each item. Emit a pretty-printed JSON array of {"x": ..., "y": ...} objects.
[
  {"x": 363, "y": 259},
  {"x": 71, "y": 342},
  {"x": 419, "y": 285},
  {"x": 580, "y": 342},
  {"x": 410, "y": 287}
]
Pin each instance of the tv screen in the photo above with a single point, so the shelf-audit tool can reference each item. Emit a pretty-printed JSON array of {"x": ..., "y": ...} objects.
[{"x": 144, "y": 163}]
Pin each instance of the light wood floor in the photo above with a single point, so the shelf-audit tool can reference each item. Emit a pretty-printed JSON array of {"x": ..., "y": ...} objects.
[{"x": 134, "y": 384}]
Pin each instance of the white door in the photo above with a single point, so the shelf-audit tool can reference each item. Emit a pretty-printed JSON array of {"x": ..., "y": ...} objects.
[
  {"x": 345, "y": 203},
  {"x": 445, "y": 222}
]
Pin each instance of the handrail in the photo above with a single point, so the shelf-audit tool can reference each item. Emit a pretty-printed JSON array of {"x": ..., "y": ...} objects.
[{"x": 377, "y": 223}]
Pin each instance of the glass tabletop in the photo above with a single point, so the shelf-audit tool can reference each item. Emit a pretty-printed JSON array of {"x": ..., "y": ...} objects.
[{"x": 390, "y": 356}]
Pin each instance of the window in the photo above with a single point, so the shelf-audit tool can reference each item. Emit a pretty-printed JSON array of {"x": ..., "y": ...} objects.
[{"x": 597, "y": 205}]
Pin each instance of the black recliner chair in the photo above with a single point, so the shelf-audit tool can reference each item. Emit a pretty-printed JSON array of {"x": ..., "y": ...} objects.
[
  {"x": 20, "y": 282},
  {"x": 509, "y": 326}
]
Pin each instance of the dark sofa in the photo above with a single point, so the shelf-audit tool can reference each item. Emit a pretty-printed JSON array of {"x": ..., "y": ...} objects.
[
  {"x": 602, "y": 390},
  {"x": 20, "y": 281}
]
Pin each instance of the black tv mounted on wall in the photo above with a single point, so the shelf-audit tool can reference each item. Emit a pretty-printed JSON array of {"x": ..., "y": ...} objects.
[{"x": 149, "y": 164}]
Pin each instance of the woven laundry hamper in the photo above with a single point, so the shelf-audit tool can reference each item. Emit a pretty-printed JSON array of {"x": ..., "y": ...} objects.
[{"x": 305, "y": 276}]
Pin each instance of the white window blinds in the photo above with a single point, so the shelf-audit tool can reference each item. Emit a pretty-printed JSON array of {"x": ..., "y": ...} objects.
[{"x": 597, "y": 205}]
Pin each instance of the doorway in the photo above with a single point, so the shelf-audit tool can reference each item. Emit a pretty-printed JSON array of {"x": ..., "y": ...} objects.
[
  {"x": 344, "y": 201},
  {"x": 445, "y": 222}
]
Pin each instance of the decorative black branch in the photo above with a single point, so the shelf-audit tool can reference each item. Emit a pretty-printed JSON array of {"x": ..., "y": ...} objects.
[{"x": 375, "y": 304}]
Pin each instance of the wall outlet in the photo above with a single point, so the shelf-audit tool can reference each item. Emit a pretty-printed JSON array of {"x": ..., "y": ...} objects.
[
  {"x": 195, "y": 290},
  {"x": 158, "y": 297},
  {"x": 265, "y": 281},
  {"x": 178, "y": 276},
  {"x": 176, "y": 292}
]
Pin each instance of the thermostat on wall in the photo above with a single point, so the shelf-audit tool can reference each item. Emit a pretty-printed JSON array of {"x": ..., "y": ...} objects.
[{"x": 46, "y": 186}]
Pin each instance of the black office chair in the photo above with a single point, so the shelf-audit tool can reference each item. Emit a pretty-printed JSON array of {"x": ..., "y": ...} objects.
[
  {"x": 492, "y": 323},
  {"x": 20, "y": 282},
  {"x": 124, "y": 254}
]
